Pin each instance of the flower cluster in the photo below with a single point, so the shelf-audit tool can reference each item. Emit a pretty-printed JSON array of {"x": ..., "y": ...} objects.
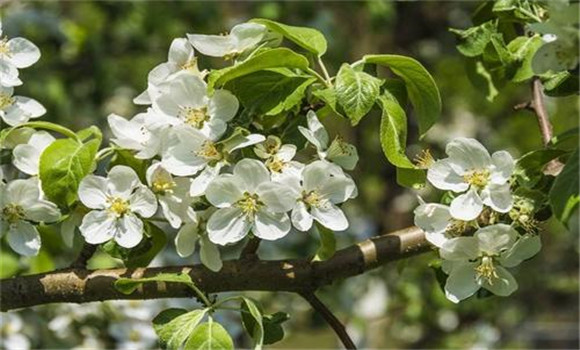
[
  {"x": 476, "y": 234},
  {"x": 22, "y": 202}
]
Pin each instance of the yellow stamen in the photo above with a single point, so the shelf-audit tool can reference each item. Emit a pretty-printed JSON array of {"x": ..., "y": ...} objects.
[
  {"x": 424, "y": 159},
  {"x": 312, "y": 199},
  {"x": 487, "y": 270},
  {"x": 118, "y": 206},
  {"x": 457, "y": 227},
  {"x": 209, "y": 151},
  {"x": 6, "y": 101},
  {"x": 163, "y": 186},
  {"x": 477, "y": 177},
  {"x": 190, "y": 65},
  {"x": 195, "y": 117},
  {"x": 250, "y": 204},
  {"x": 4, "y": 49},
  {"x": 13, "y": 213},
  {"x": 275, "y": 164}
]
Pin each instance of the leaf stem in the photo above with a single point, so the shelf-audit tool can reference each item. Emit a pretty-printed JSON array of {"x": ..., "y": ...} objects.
[
  {"x": 324, "y": 71},
  {"x": 319, "y": 77},
  {"x": 52, "y": 127}
]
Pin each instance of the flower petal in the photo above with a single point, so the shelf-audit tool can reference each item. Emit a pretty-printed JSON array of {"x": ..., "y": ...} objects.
[
  {"x": 316, "y": 133},
  {"x": 201, "y": 182},
  {"x": 223, "y": 105},
  {"x": 180, "y": 51},
  {"x": 503, "y": 167},
  {"x": 98, "y": 227},
  {"x": 461, "y": 283},
  {"x": 495, "y": 238},
  {"x": 228, "y": 225},
  {"x": 24, "y": 238},
  {"x": 93, "y": 192},
  {"x": 271, "y": 226},
  {"x": 23, "y": 192},
  {"x": 247, "y": 35},
  {"x": 443, "y": 176},
  {"x": 42, "y": 211},
  {"x": 498, "y": 197},
  {"x": 129, "y": 231},
  {"x": 211, "y": 45},
  {"x": 331, "y": 217},
  {"x": 278, "y": 198},
  {"x": 29, "y": 106},
  {"x": 525, "y": 248},
  {"x": 301, "y": 218},
  {"x": 27, "y": 158},
  {"x": 467, "y": 206},
  {"x": 23, "y": 53},
  {"x": 209, "y": 254},
  {"x": 468, "y": 153},
  {"x": 224, "y": 191},
  {"x": 251, "y": 173},
  {"x": 503, "y": 286},
  {"x": 122, "y": 180},
  {"x": 185, "y": 239},
  {"x": 433, "y": 218},
  {"x": 460, "y": 249},
  {"x": 143, "y": 202}
]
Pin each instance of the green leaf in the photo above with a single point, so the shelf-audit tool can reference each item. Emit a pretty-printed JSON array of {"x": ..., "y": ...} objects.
[
  {"x": 91, "y": 131},
  {"x": 174, "y": 326},
  {"x": 129, "y": 285},
  {"x": 327, "y": 246},
  {"x": 530, "y": 165},
  {"x": 270, "y": 92},
  {"x": 411, "y": 178},
  {"x": 472, "y": 41},
  {"x": 209, "y": 336},
  {"x": 564, "y": 196},
  {"x": 273, "y": 331},
  {"x": 252, "y": 321},
  {"x": 63, "y": 165},
  {"x": 421, "y": 87},
  {"x": 274, "y": 58},
  {"x": 393, "y": 131},
  {"x": 308, "y": 38},
  {"x": 481, "y": 78},
  {"x": 356, "y": 92},
  {"x": 561, "y": 84},
  {"x": 524, "y": 48}
]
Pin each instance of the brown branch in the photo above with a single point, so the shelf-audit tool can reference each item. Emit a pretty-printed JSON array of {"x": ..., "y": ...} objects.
[
  {"x": 75, "y": 285},
  {"x": 250, "y": 251},
  {"x": 330, "y": 318},
  {"x": 540, "y": 110}
]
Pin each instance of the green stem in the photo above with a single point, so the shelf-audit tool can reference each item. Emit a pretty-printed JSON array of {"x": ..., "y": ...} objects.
[
  {"x": 319, "y": 77},
  {"x": 52, "y": 127},
  {"x": 105, "y": 152},
  {"x": 201, "y": 295},
  {"x": 324, "y": 71}
]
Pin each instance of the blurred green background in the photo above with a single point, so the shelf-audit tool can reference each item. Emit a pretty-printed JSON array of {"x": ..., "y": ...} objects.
[{"x": 95, "y": 59}]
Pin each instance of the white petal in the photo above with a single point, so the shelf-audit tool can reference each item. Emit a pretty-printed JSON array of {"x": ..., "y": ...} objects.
[
  {"x": 227, "y": 225},
  {"x": 143, "y": 202},
  {"x": 23, "y": 192},
  {"x": 181, "y": 157},
  {"x": 337, "y": 189},
  {"x": 122, "y": 180},
  {"x": 29, "y": 106},
  {"x": 27, "y": 159},
  {"x": 9, "y": 74},
  {"x": 331, "y": 217},
  {"x": 251, "y": 173},
  {"x": 171, "y": 210},
  {"x": 316, "y": 133},
  {"x": 498, "y": 197},
  {"x": 210, "y": 254},
  {"x": 185, "y": 90},
  {"x": 271, "y": 226},
  {"x": 23, "y": 238},
  {"x": 128, "y": 134},
  {"x": 460, "y": 249},
  {"x": 243, "y": 141},
  {"x": 467, "y": 206},
  {"x": 468, "y": 153},
  {"x": 495, "y": 238},
  {"x": 443, "y": 176},
  {"x": 23, "y": 53},
  {"x": 129, "y": 231},
  {"x": 93, "y": 192},
  {"x": 433, "y": 218},
  {"x": 180, "y": 51},
  {"x": 42, "y": 211},
  {"x": 503, "y": 286},
  {"x": 247, "y": 35},
  {"x": 301, "y": 218},
  {"x": 277, "y": 197},
  {"x": 98, "y": 227},
  {"x": 223, "y": 105},
  {"x": 201, "y": 182},
  {"x": 185, "y": 240},
  {"x": 503, "y": 167},
  {"x": 224, "y": 191},
  {"x": 14, "y": 116},
  {"x": 286, "y": 152},
  {"x": 212, "y": 45},
  {"x": 461, "y": 283},
  {"x": 525, "y": 248},
  {"x": 315, "y": 175},
  {"x": 342, "y": 153}
]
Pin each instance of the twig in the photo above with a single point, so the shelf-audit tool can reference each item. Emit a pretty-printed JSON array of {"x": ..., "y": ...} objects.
[
  {"x": 250, "y": 251},
  {"x": 329, "y": 317},
  {"x": 85, "y": 255},
  {"x": 540, "y": 110}
]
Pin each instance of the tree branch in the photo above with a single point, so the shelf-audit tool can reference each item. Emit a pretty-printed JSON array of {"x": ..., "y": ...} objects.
[
  {"x": 86, "y": 253},
  {"x": 330, "y": 318},
  {"x": 250, "y": 251},
  {"x": 540, "y": 110},
  {"x": 79, "y": 285}
]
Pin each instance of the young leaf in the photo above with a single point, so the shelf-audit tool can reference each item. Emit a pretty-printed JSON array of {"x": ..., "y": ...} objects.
[
  {"x": 252, "y": 321},
  {"x": 174, "y": 326},
  {"x": 327, "y": 243},
  {"x": 411, "y": 178},
  {"x": 63, "y": 165},
  {"x": 129, "y": 285},
  {"x": 273, "y": 331},
  {"x": 274, "y": 58},
  {"x": 356, "y": 92},
  {"x": 472, "y": 41},
  {"x": 394, "y": 131},
  {"x": 308, "y": 38},
  {"x": 524, "y": 48},
  {"x": 564, "y": 193},
  {"x": 209, "y": 336},
  {"x": 421, "y": 87}
]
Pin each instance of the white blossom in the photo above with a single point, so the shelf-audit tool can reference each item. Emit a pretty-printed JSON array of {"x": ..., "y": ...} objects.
[
  {"x": 186, "y": 102},
  {"x": 339, "y": 151},
  {"x": 181, "y": 58},
  {"x": 470, "y": 168},
  {"x": 193, "y": 232},
  {"x": 480, "y": 261},
  {"x": 172, "y": 194},
  {"x": 278, "y": 158},
  {"x": 16, "y": 110},
  {"x": 316, "y": 195},
  {"x": 27, "y": 156},
  {"x": 189, "y": 152},
  {"x": 116, "y": 201},
  {"x": 15, "y": 53},
  {"x": 144, "y": 133},
  {"x": 22, "y": 203},
  {"x": 241, "y": 38},
  {"x": 248, "y": 201},
  {"x": 437, "y": 223}
]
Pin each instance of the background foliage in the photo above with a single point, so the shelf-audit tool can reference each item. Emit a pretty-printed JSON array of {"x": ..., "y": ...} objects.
[{"x": 95, "y": 59}]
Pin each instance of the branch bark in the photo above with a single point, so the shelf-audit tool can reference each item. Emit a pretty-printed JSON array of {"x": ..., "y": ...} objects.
[
  {"x": 540, "y": 110},
  {"x": 79, "y": 285}
]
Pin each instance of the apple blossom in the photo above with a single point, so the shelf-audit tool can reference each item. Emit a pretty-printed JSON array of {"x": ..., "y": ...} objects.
[
  {"x": 15, "y": 53},
  {"x": 144, "y": 133},
  {"x": 116, "y": 200},
  {"x": 16, "y": 110},
  {"x": 27, "y": 156},
  {"x": 241, "y": 38},
  {"x": 438, "y": 224},
  {"x": 470, "y": 168},
  {"x": 278, "y": 158},
  {"x": 193, "y": 232}
]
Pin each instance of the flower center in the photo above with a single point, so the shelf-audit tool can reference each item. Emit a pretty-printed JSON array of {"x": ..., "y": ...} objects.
[
  {"x": 163, "y": 186},
  {"x": 195, "y": 117},
  {"x": 424, "y": 160},
  {"x": 249, "y": 204},
  {"x": 190, "y": 65},
  {"x": 118, "y": 206},
  {"x": 457, "y": 227},
  {"x": 4, "y": 49},
  {"x": 209, "y": 151},
  {"x": 313, "y": 199},
  {"x": 275, "y": 164},
  {"x": 12, "y": 213},
  {"x": 6, "y": 101},
  {"x": 486, "y": 270},
  {"x": 477, "y": 178}
]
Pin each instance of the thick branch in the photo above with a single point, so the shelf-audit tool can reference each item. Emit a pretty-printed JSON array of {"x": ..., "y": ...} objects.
[
  {"x": 75, "y": 285},
  {"x": 330, "y": 318}
]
